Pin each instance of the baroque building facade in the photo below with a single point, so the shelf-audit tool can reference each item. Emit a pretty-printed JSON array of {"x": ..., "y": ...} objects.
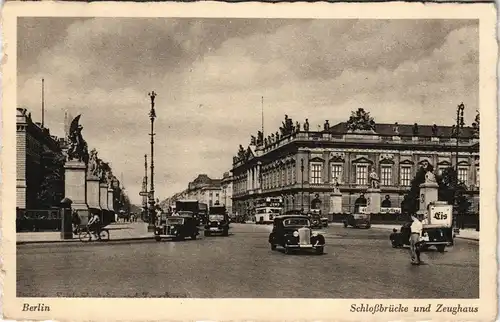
[
  {"x": 35, "y": 148},
  {"x": 227, "y": 191},
  {"x": 205, "y": 190},
  {"x": 302, "y": 165}
]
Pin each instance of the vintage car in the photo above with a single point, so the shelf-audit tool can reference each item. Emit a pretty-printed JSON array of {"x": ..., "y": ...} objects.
[
  {"x": 315, "y": 221},
  {"x": 357, "y": 221},
  {"x": 324, "y": 221},
  {"x": 437, "y": 229},
  {"x": 293, "y": 232},
  {"x": 217, "y": 224},
  {"x": 177, "y": 227}
]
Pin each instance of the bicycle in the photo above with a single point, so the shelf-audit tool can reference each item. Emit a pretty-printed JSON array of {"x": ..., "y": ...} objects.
[{"x": 85, "y": 235}]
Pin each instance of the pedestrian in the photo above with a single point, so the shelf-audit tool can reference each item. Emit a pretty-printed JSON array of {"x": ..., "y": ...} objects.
[
  {"x": 76, "y": 221},
  {"x": 415, "y": 236}
]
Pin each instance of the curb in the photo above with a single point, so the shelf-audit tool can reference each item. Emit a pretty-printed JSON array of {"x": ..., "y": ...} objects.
[
  {"x": 67, "y": 241},
  {"x": 467, "y": 238}
]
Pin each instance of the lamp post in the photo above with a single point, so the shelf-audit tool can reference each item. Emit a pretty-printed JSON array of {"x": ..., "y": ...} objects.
[
  {"x": 460, "y": 125},
  {"x": 302, "y": 184},
  {"x": 145, "y": 187},
  {"x": 152, "y": 116}
]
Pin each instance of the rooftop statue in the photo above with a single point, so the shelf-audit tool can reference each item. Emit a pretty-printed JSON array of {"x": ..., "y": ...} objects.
[
  {"x": 241, "y": 153},
  {"x": 306, "y": 125},
  {"x": 78, "y": 149},
  {"x": 360, "y": 121},
  {"x": 260, "y": 138},
  {"x": 434, "y": 130},
  {"x": 415, "y": 129},
  {"x": 396, "y": 128},
  {"x": 253, "y": 140}
]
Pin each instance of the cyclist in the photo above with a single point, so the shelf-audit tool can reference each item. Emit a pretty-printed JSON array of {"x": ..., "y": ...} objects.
[{"x": 94, "y": 225}]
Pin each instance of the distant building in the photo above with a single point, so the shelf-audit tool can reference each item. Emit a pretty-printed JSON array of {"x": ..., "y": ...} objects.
[
  {"x": 205, "y": 190},
  {"x": 35, "y": 151},
  {"x": 302, "y": 165},
  {"x": 227, "y": 191}
]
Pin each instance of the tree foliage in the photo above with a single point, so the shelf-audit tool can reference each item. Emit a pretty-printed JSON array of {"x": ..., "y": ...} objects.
[{"x": 51, "y": 190}]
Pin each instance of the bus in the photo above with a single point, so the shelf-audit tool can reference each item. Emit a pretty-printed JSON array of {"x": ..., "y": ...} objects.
[{"x": 266, "y": 209}]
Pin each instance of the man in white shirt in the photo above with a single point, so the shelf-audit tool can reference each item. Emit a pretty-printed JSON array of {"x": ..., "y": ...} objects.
[
  {"x": 415, "y": 235},
  {"x": 94, "y": 225}
]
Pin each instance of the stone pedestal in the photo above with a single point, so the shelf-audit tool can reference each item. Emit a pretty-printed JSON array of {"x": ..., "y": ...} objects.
[
  {"x": 110, "y": 200},
  {"x": 75, "y": 188},
  {"x": 93, "y": 192},
  {"x": 336, "y": 203},
  {"x": 373, "y": 201},
  {"x": 103, "y": 197},
  {"x": 428, "y": 194}
]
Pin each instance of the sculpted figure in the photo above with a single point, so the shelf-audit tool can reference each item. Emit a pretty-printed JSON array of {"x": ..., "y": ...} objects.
[
  {"x": 374, "y": 180},
  {"x": 260, "y": 137},
  {"x": 434, "y": 130},
  {"x": 430, "y": 177},
  {"x": 326, "y": 125},
  {"x": 78, "y": 149},
  {"x": 306, "y": 125},
  {"x": 396, "y": 128},
  {"x": 415, "y": 129},
  {"x": 297, "y": 126},
  {"x": 336, "y": 185},
  {"x": 93, "y": 163}
]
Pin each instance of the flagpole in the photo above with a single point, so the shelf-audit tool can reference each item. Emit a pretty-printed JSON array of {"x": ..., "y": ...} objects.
[
  {"x": 262, "y": 111},
  {"x": 43, "y": 102}
]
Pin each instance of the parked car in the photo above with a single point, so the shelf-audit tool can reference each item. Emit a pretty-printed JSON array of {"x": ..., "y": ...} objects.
[
  {"x": 437, "y": 230},
  {"x": 293, "y": 232},
  {"x": 217, "y": 224},
  {"x": 177, "y": 227},
  {"x": 357, "y": 221},
  {"x": 315, "y": 221}
]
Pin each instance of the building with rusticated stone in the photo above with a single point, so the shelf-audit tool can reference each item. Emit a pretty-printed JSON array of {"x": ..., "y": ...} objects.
[
  {"x": 34, "y": 149},
  {"x": 302, "y": 165}
]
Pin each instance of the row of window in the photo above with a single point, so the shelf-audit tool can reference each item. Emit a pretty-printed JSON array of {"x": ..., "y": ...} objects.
[
  {"x": 386, "y": 177},
  {"x": 279, "y": 178},
  {"x": 286, "y": 176}
]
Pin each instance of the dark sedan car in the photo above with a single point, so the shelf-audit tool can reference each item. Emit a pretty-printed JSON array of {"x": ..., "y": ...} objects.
[
  {"x": 293, "y": 232},
  {"x": 177, "y": 228},
  {"x": 357, "y": 221},
  {"x": 439, "y": 237}
]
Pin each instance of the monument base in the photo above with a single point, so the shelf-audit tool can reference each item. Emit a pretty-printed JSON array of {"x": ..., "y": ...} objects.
[
  {"x": 336, "y": 203},
  {"x": 373, "y": 200},
  {"x": 428, "y": 194}
]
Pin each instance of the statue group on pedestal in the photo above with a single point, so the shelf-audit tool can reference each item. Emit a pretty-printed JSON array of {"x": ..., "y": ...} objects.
[
  {"x": 78, "y": 149},
  {"x": 360, "y": 121}
]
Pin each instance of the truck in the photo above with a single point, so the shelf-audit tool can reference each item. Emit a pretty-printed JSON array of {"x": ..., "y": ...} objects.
[
  {"x": 188, "y": 208},
  {"x": 437, "y": 228},
  {"x": 218, "y": 221},
  {"x": 202, "y": 212}
]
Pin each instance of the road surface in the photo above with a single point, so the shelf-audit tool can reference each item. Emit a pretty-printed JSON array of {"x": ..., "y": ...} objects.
[{"x": 357, "y": 264}]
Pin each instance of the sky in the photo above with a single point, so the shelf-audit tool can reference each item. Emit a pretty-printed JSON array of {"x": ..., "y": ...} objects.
[{"x": 210, "y": 75}]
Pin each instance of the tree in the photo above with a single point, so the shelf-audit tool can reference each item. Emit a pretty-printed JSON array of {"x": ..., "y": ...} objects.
[
  {"x": 51, "y": 190},
  {"x": 411, "y": 201},
  {"x": 452, "y": 191}
]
